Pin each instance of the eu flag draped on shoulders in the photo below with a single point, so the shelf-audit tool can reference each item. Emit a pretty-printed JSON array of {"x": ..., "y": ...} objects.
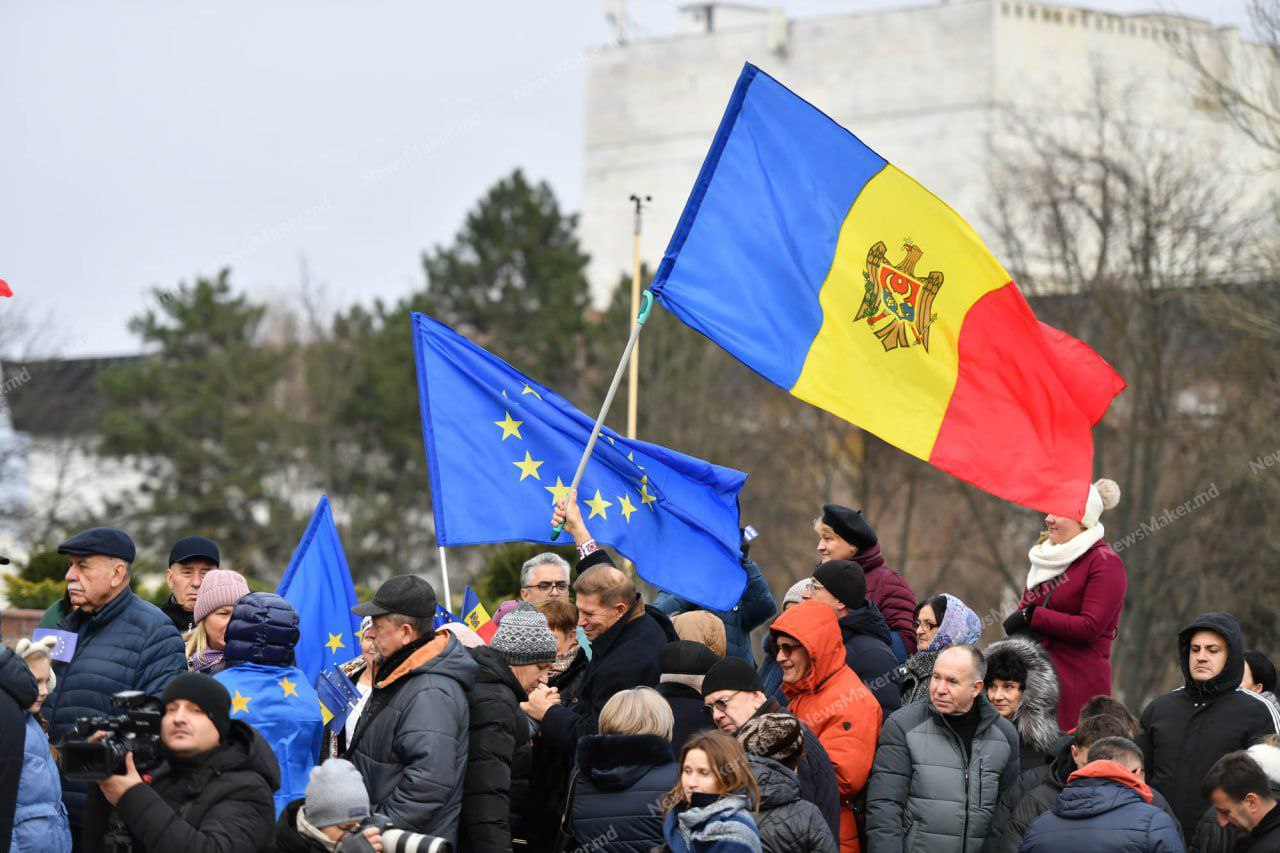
[
  {"x": 282, "y": 705},
  {"x": 839, "y": 278},
  {"x": 502, "y": 450},
  {"x": 318, "y": 585}
]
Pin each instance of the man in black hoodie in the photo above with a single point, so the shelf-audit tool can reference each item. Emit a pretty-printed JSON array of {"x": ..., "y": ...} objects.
[
  {"x": 842, "y": 586},
  {"x": 1186, "y": 731}
]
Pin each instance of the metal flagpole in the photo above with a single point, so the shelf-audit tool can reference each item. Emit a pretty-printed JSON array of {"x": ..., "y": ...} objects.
[
  {"x": 641, "y": 316},
  {"x": 444, "y": 577},
  {"x": 633, "y": 375}
]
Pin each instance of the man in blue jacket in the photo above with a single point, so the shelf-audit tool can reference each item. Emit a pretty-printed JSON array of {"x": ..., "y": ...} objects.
[
  {"x": 754, "y": 608},
  {"x": 122, "y": 642}
]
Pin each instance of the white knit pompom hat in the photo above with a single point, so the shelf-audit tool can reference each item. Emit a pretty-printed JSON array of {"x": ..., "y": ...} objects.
[
  {"x": 1103, "y": 495},
  {"x": 1268, "y": 758},
  {"x": 27, "y": 649}
]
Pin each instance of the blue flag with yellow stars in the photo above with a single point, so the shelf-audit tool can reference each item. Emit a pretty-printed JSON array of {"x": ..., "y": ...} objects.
[
  {"x": 318, "y": 585},
  {"x": 282, "y": 705},
  {"x": 502, "y": 450}
]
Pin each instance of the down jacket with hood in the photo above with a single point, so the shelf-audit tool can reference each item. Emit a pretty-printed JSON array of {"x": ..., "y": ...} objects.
[
  {"x": 1107, "y": 809},
  {"x": 496, "y": 783},
  {"x": 787, "y": 823},
  {"x": 617, "y": 786},
  {"x": 817, "y": 776},
  {"x": 127, "y": 645},
  {"x": 1186, "y": 731},
  {"x": 926, "y": 794},
  {"x": 891, "y": 593},
  {"x": 832, "y": 701},
  {"x": 411, "y": 744},
  {"x": 261, "y": 637},
  {"x": 1036, "y": 717},
  {"x": 868, "y": 652},
  {"x": 219, "y": 803}
]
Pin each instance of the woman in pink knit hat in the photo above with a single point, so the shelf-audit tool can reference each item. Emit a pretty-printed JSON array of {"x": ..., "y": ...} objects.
[{"x": 218, "y": 595}]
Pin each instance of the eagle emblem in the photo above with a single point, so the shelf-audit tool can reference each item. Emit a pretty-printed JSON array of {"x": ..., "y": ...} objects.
[{"x": 898, "y": 303}]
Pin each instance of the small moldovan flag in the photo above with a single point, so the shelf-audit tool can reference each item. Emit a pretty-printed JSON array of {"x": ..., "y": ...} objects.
[{"x": 476, "y": 617}]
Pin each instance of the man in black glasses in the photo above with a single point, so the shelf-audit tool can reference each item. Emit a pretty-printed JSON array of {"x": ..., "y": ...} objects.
[{"x": 542, "y": 576}]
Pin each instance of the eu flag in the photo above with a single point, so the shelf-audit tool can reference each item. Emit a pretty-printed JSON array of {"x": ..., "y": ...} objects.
[
  {"x": 318, "y": 585},
  {"x": 502, "y": 450}
]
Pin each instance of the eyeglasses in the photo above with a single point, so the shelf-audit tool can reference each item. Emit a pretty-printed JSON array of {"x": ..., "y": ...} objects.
[
  {"x": 547, "y": 586},
  {"x": 721, "y": 705}
]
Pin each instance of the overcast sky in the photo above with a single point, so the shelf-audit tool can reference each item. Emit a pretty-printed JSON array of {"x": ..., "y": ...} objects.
[{"x": 147, "y": 142}]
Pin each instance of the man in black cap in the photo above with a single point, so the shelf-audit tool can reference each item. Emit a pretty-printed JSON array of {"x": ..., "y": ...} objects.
[
  {"x": 190, "y": 559},
  {"x": 841, "y": 585},
  {"x": 734, "y": 693},
  {"x": 122, "y": 642},
  {"x": 411, "y": 742},
  {"x": 214, "y": 789}
]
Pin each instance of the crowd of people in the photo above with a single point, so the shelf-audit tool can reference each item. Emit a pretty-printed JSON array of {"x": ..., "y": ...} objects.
[{"x": 868, "y": 719}]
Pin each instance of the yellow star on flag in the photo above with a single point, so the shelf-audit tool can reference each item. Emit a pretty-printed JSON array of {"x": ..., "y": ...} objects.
[
  {"x": 528, "y": 390},
  {"x": 627, "y": 507},
  {"x": 631, "y": 457},
  {"x": 528, "y": 468},
  {"x": 240, "y": 703},
  {"x": 335, "y": 643},
  {"x": 598, "y": 506},
  {"x": 558, "y": 492},
  {"x": 290, "y": 688},
  {"x": 645, "y": 497},
  {"x": 510, "y": 427}
]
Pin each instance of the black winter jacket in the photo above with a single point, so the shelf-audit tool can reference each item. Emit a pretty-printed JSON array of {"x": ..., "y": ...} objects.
[
  {"x": 816, "y": 773},
  {"x": 1265, "y": 837},
  {"x": 617, "y": 785},
  {"x": 623, "y": 657},
  {"x": 786, "y": 822},
  {"x": 18, "y": 692},
  {"x": 1211, "y": 838},
  {"x": 221, "y": 803},
  {"x": 498, "y": 758},
  {"x": 182, "y": 618},
  {"x": 686, "y": 706},
  {"x": 868, "y": 651},
  {"x": 1186, "y": 731}
]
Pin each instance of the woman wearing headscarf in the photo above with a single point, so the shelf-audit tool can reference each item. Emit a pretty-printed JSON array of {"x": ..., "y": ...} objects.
[
  {"x": 1072, "y": 601},
  {"x": 941, "y": 622}
]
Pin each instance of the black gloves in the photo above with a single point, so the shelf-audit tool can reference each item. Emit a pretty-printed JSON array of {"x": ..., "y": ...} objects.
[{"x": 1019, "y": 621}]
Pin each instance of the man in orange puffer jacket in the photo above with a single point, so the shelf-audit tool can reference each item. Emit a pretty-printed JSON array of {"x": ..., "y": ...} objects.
[{"x": 830, "y": 699}]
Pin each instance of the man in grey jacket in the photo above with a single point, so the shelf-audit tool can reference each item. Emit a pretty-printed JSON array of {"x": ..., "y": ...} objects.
[
  {"x": 410, "y": 744},
  {"x": 941, "y": 765}
]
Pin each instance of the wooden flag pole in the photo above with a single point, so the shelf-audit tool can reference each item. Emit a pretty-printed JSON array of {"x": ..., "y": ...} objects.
[
  {"x": 641, "y": 316},
  {"x": 633, "y": 375}
]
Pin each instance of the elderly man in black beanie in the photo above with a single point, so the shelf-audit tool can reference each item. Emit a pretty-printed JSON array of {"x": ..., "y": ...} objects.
[
  {"x": 842, "y": 586},
  {"x": 734, "y": 694},
  {"x": 214, "y": 788}
]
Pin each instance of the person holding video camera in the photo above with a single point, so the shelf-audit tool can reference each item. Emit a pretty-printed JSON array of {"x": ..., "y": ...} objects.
[{"x": 213, "y": 790}]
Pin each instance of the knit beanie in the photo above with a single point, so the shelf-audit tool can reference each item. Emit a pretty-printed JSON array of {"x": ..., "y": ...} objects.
[
  {"x": 220, "y": 588},
  {"x": 795, "y": 594},
  {"x": 732, "y": 673},
  {"x": 845, "y": 580},
  {"x": 685, "y": 657},
  {"x": 702, "y": 627},
  {"x": 205, "y": 691},
  {"x": 335, "y": 794},
  {"x": 27, "y": 649},
  {"x": 524, "y": 638},
  {"x": 849, "y": 525},
  {"x": 776, "y": 736}
]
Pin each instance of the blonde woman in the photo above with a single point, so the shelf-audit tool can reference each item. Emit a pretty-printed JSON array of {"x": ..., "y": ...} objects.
[
  {"x": 622, "y": 774},
  {"x": 217, "y": 597}
]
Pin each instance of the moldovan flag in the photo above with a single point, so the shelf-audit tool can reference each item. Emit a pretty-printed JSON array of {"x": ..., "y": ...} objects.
[
  {"x": 839, "y": 278},
  {"x": 476, "y": 617}
]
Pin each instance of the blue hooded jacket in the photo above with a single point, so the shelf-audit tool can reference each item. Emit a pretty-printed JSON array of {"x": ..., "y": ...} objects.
[{"x": 1102, "y": 815}]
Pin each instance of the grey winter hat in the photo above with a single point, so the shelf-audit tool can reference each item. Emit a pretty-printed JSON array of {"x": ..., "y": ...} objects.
[
  {"x": 336, "y": 794},
  {"x": 524, "y": 637}
]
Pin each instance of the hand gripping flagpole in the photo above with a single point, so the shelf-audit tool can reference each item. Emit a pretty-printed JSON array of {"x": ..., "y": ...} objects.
[{"x": 646, "y": 304}]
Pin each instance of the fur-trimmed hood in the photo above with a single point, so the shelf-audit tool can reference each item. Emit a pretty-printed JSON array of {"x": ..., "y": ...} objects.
[
  {"x": 1036, "y": 717},
  {"x": 615, "y": 762}
]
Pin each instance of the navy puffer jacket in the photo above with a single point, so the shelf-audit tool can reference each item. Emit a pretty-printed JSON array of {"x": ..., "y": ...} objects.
[
  {"x": 1102, "y": 815},
  {"x": 263, "y": 629},
  {"x": 127, "y": 645},
  {"x": 616, "y": 789}
]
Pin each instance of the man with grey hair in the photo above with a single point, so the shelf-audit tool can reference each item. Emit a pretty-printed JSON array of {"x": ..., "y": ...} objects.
[
  {"x": 941, "y": 765},
  {"x": 542, "y": 576}
]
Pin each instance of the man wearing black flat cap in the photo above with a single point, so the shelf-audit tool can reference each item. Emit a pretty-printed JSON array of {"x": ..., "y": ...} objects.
[
  {"x": 190, "y": 559},
  {"x": 841, "y": 585},
  {"x": 411, "y": 742},
  {"x": 122, "y": 642},
  {"x": 843, "y": 534}
]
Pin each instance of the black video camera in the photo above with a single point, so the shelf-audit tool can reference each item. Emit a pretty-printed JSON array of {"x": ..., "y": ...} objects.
[
  {"x": 393, "y": 840},
  {"x": 132, "y": 725}
]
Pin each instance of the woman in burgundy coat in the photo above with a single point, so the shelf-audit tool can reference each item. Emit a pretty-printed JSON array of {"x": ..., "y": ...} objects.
[{"x": 1072, "y": 601}]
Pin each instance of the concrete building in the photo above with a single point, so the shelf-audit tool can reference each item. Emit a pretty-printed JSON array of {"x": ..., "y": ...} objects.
[{"x": 935, "y": 89}]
